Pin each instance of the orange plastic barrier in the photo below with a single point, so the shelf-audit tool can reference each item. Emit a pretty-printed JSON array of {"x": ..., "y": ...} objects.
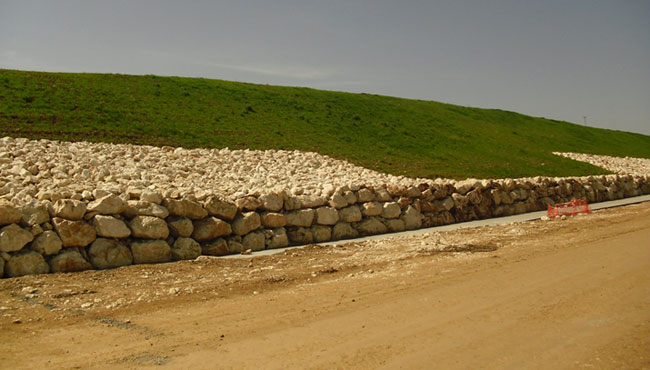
[{"x": 571, "y": 208}]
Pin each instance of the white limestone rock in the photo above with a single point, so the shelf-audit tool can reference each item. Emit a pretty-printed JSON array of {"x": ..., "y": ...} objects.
[
  {"x": 74, "y": 233},
  {"x": 180, "y": 226},
  {"x": 35, "y": 215},
  {"x": 110, "y": 227},
  {"x": 13, "y": 238},
  {"x": 301, "y": 218},
  {"x": 26, "y": 263},
  {"x": 150, "y": 251},
  {"x": 391, "y": 210},
  {"x": 210, "y": 228},
  {"x": 149, "y": 227},
  {"x": 69, "y": 209},
  {"x": 246, "y": 222},
  {"x": 48, "y": 243},
  {"x": 69, "y": 260},
  {"x": 108, "y": 205},
  {"x": 185, "y": 249},
  {"x": 326, "y": 216},
  {"x": 109, "y": 253},
  {"x": 145, "y": 208},
  {"x": 9, "y": 214}
]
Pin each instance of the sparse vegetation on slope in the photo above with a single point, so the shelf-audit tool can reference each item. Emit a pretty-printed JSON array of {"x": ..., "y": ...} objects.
[{"x": 399, "y": 136}]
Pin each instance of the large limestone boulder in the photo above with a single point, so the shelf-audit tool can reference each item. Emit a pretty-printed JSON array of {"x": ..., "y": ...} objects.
[
  {"x": 185, "y": 249},
  {"x": 412, "y": 218},
  {"x": 149, "y": 227},
  {"x": 248, "y": 203},
  {"x": 35, "y": 215},
  {"x": 301, "y": 218},
  {"x": 185, "y": 208},
  {"x": 311, "y": 201},
  {"x": 180, "y": 226},
  {"x": 370, "y": 209},
  {"x": 246, "y": 222},
  {"x": 343, "y": 230},
  {"x": 142, "y": 208},
  {"x": 292, "y": 203},
  {"x": 350, "y": 197},
  {"x": 365, "y": 195},
  {"x": 69, "y": 209},
  {"x": 151, "y": 196},
  {"x": 235, "y": 244},
  {"x": 272, "y": 202},
  {"x": 26, "y": 263},
  {"x": 372, "y": 226},
  {"x": 2, "y": 267},
  {"x": 446, "y": 203},
  {"x": 254, "y": 241},
  {"x": 69, "y": 260},
  {"x": 217, "y": 247},
  {"x": 391, "y": 210},
  {"x": 395, "y": 225},
  {"x": 327, "y": 216},
  {"x": 506, "y": 198},
  {"x": 383, "y": 195},
  {"x": 520, "y": 194},
  {"x": 110, "y": 227},
  {"x": 338, "y": 201},
  {"x": 151, "y": 251},
  {"x": 110, "y": 204},
  {"x": 210, "y": 228},
  {"x": 109, "y": 253},
  {"x": 220, "y": 208},
  {"x": 519, "y": 208},
  {"x": 47, "y": 244},
  {"x": 272, "y": 220},
  {"x": 9, "y": 214},
  {"x": 74, "y": 233},
  {"x": 321, "y": 233},
  {"x": 463, "y": 187},
  {"x": 495, "y": 194},
  {"x": 460, "y": 201},
  {"x": 350, "y": 214},
  {"x": 413, "y": 192},
  {"x": 475, "y": 197},
  {"x": 276, "y": 238},
  {"x": 300, "y": 235},
  {"x": 14, "y": 238}
]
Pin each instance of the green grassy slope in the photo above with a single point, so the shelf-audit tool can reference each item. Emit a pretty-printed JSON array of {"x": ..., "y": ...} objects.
[{"x": 400, "y": 136}]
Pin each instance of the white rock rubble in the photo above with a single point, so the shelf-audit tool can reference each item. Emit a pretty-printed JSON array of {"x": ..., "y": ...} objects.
[
  {"x": 623, "y": 166},
  {"x": 49, "y": 170}
]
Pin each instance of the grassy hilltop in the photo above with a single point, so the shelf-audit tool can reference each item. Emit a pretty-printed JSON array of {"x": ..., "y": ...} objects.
[{"x": 399, "y": 136}]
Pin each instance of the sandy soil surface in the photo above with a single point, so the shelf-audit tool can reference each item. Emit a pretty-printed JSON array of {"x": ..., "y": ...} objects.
[{"x": 543, "y": 294}]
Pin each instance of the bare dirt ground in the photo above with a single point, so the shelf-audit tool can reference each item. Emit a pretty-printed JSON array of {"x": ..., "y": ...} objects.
[{"x": 555, "y": 294}]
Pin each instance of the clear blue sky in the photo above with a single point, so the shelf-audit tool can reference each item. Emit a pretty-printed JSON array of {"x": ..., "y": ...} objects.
[{"x": 551, "y": 58}]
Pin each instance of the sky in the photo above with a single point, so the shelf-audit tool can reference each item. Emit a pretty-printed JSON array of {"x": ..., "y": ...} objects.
[{"x": 578, "y": 61}]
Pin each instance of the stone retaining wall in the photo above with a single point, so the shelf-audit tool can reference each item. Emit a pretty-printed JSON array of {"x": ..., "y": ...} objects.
[{"x": 108, "y": 230}]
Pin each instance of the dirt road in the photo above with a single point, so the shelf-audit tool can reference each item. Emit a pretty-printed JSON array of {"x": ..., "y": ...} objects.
[{"x": 549, "y": 295}]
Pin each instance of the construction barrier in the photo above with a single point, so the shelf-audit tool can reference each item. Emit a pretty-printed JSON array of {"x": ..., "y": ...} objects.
[{"x": 571, "y": 208}]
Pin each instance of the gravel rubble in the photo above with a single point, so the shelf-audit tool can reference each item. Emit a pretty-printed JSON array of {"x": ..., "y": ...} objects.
[
  {"x": 623, "y": 166},
  {"x": 37, "y": 170}
]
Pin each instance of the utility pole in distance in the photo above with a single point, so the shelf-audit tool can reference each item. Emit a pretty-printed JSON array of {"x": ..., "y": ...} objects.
[{"x": 584, "y": 118}]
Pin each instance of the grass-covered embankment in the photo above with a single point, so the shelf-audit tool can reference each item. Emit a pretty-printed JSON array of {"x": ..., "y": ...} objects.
[{"x": 399, "y": 136}]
